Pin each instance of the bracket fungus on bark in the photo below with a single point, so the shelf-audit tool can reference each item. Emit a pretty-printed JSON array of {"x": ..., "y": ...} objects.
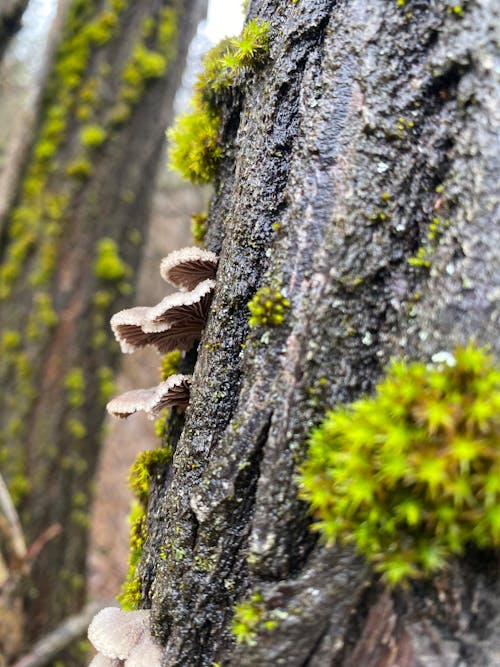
[
  {"x": 174, "y": 392},
  {"x": 123, "y": 638},
  {"x": 188, "y": 267},
  {"x": 174, "y": 323}
]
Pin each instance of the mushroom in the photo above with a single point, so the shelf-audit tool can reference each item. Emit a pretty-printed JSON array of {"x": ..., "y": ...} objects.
[
  {"x": 174, "y": 323},
  {"x": 127, "y": 327},
  {"x": 188, "y": 267},
  {"x": 123, "y": 638},
  {"x": 173, "y": 392}
]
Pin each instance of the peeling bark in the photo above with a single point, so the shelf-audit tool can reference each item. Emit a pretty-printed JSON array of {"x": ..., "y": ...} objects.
[{"x": 369, "y": 120}]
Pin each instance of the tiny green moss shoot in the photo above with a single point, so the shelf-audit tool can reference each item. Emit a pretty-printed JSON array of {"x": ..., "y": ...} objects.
[
  {"x": 108, "y": 265},
  {"x": 252, "y": 617},
  {"x": 411, "y": 475},
  {"x": 143, "y": 469},
  {"x": 267, "y": 308}
]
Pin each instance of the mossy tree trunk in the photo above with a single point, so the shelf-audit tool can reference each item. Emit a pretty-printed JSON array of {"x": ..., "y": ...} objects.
[
  {"x": 11, "y": 12},
  {"x": 367, "y": 140},
  {"x": 69, "y": 249}
]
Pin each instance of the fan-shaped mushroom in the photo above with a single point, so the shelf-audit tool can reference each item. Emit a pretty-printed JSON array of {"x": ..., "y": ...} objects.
[
  {"x": 173, "y": 392},
  {"x": 188, "y": 267}
]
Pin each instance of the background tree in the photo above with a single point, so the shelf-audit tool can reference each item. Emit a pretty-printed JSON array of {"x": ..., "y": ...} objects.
[
  {"x": 69, "y": 248},
  {"x": 10, "y": 20},
  {"x": 355, "y": 180}
]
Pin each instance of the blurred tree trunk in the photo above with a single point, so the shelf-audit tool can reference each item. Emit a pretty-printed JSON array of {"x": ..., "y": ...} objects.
[
  {"x": 11, "y": 12},
  {"x": 69, "y": 249},
  {"x": 370, "y": 119}
]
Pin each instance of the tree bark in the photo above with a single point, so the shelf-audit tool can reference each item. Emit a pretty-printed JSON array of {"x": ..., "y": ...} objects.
[
  {"x": 369, "y": 119},
  {"x": 69, "y": 249},
  {"x": 11, "y": 12}
]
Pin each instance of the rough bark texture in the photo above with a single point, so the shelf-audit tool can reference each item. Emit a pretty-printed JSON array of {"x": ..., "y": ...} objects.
[
  {"x": 359, "y": 98},
  {"x": 57, "y": 359},
  {"x": 11, "y": 12}
]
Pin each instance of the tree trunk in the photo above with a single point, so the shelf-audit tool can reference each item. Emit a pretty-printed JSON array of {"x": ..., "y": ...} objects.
[
  {"x": 370, "y": 119},
  {"x": 68, "y": 252},
  {"x": 11, "y": 12}
]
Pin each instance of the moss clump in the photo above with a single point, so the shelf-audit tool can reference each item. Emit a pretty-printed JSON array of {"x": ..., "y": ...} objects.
[
  {"x": 107, "y": 387},
  {"x": 140, "y": 476},
  {"x": 80, "y": 169},
  {"x": 108, "y": 265},
  {"x": 251, "y": 617},
  {"x": 267, "y": 308},
  {"x": 195, "y": 149},
  {"x": 170, "y": 364},
  {"x": 411, "y": 475},
  {"x": 92, "y": 136},
  {"x": 143, "y": 469},
  {"x": 74, "y": 382},
  {"x": 199, "y": 228}
]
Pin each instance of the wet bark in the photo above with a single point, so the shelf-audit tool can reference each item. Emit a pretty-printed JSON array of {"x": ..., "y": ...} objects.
[
  {"x": 369, "y": 120},
  {"x": 11, "y": 12},
  {"x": 57, "y": 358}
]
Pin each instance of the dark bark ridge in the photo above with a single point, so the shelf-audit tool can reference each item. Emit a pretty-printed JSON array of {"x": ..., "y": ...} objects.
[{"x": 370, "y": 121}]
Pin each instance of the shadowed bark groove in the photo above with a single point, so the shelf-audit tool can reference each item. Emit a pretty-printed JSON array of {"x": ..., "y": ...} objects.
[{"x": 369, "y": 120}]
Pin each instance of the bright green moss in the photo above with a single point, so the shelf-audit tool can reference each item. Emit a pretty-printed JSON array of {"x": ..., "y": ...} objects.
[
  {"x": 267, "y": 308},
  {"x": 199, "y": 228},
  {"x": 130, "y": 595},
  {"x": 143, "y": 469},
  {"x": 167, "y": 32},
  {"x": 108, "y": 265},
  {"x": 80, "y": 169},
  {"x": 194, "y": 146},
  {"x": 170, "y": 364},
  {"x": 251, "y": 617},
  {"x": 195, "y": 150},
  {"x": 411, "y": 475},
  {"x": 10, "y": 340},
  {"x": 92, "y": 136}
]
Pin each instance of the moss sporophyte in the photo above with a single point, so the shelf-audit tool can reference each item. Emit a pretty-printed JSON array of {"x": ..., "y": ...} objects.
[{"x": 411, "y": 475}]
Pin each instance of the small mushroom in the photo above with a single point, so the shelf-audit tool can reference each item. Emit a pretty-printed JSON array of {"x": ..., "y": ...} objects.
[
  {"x": 123, "y": 639},
  {"x": 173, "y": 392},
  {"x": 127, "y": 327},
  {"x": 188, "y": 267}
]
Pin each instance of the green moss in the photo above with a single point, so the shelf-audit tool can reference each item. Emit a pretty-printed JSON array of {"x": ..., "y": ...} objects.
[
  {"x": 92, "y": 136},
  {"x": 252, "y": 617},
  {"x": 411, "y": 475},
  {"x": 144, "y": 468},
  {"x": 42, "y": 318},
  {"x": 75, "y": 428},
  {"x": 170, "y": 364},
  {"x": 199, "y": 228},
  {"x": 79, "y": 168},
  {"x": 130, "y": 595},
  {"x": 74, "y": 382},
  {"x": 108, "y": 265},
  {"x": 10, "y": 340},
  {"x": 195, "y": 149},
  {"x": 267, "y": 308},
  {"x": 167, "y": 32}
]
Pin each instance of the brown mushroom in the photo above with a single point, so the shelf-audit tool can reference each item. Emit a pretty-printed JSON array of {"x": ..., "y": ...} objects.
[
  {"x": 188, "y": 267},
  {"x": 174, "y": 392},
  {"x": 127, "y": 328}
]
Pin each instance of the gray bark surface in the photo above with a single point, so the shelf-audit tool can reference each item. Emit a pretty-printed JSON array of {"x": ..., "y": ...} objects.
[
  {"x": 359, "y": 98},
  {"x": 11, "y": 12}
]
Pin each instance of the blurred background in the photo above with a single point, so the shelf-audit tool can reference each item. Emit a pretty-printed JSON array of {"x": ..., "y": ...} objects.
[{"x": 22, "y": 75}]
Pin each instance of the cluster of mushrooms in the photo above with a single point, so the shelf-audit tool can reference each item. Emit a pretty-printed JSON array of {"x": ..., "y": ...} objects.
[
  {"x": 123, "y": 638},
  {"x": 175, "y": 323}
]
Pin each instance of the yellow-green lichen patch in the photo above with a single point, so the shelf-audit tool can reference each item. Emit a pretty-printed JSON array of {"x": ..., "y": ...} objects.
[
  {"x": 411, "y": 475},
  {"x": 267, "y": 308}
]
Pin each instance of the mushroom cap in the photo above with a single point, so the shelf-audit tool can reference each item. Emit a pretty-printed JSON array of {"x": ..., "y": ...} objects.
[
  {"x": 127, "y": 328},
  {"x": 188, "y": 267},
  {"x": 101, "y": 660},
  {"x": 145, "y": 654},
  {"x": 114, "y": 632},
  {"x": 183, "y": 315},
  {"x": 174, "y": 391}
]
